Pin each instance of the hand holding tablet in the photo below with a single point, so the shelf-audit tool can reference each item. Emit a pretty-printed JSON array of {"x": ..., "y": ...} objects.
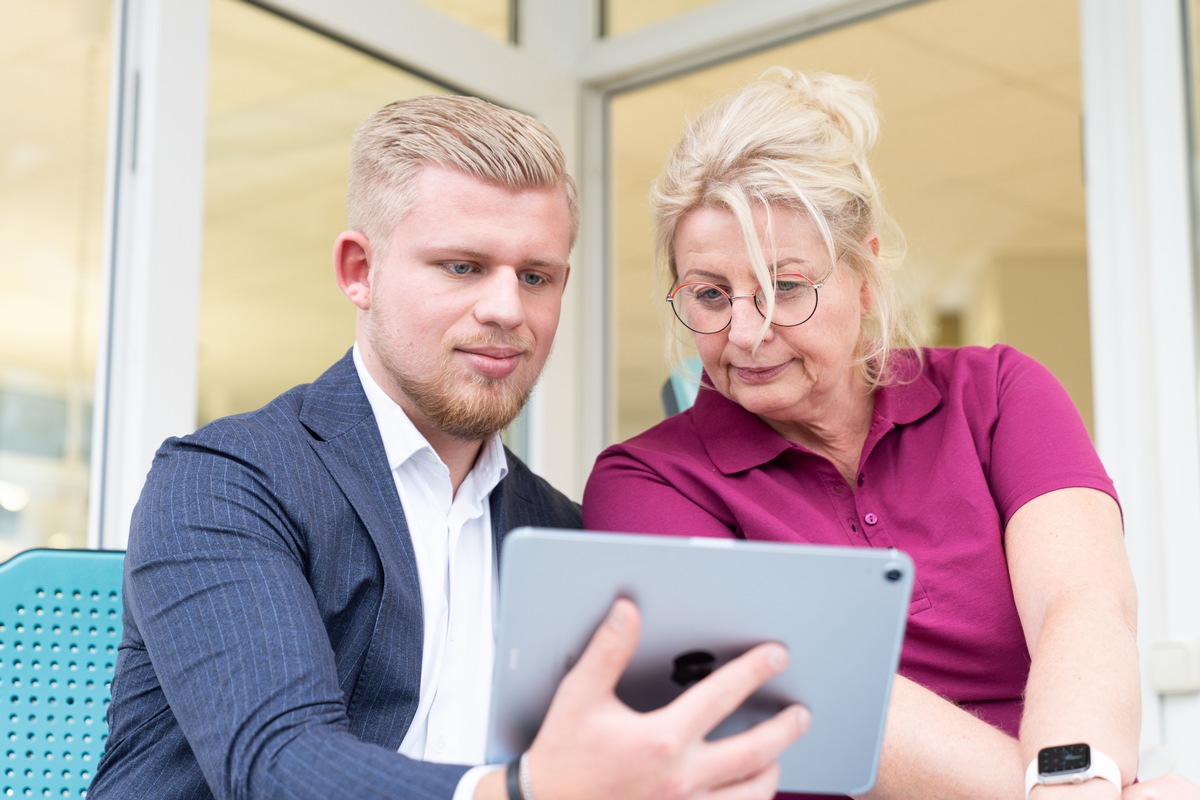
[
  {"x": 591, "y": 744},
  {"x": 839, "y": 612}
]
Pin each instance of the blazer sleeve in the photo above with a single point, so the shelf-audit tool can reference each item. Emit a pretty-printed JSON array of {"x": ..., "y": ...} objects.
[{"x": 233, "y": 646}]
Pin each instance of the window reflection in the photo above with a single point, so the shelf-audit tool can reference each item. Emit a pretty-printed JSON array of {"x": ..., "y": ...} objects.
[
  {"x": 283, "y": 104},
  {"x": 622, "y": 16},
  {"x": 493, "y": 17},
  {"x": 54, "y": 78}
]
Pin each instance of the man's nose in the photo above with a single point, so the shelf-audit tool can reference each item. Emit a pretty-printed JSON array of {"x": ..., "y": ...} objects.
[{"x": 500, "y": 301}]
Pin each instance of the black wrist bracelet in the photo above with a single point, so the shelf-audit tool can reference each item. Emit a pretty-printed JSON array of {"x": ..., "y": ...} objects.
[{"x": 512, "y": 779}]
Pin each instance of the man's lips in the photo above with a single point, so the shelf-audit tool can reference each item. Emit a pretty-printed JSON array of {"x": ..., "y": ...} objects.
[{"x": 493, "y": 361}]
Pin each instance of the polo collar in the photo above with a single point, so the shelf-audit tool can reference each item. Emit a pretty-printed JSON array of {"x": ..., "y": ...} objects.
[{"x": 737, "y": 440}]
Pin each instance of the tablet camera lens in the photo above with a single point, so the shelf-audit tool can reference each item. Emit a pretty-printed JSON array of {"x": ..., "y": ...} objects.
[
  {"x": 893, "y": 574},
  {"x": 692, "y": 667}
]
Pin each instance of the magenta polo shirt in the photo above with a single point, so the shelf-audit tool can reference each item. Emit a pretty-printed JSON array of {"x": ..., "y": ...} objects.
[{"x": 948, "y": 459}]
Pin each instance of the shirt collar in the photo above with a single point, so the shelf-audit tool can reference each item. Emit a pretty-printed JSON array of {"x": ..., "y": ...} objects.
[
  {"x": 737, "y": 440},
  {"x": 402, "y": 440}
]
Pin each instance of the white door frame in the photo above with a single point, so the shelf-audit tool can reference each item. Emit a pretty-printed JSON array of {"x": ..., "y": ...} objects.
[
  {"x": 146, "y": 379},
  {"x": 1141, "y": 271}
]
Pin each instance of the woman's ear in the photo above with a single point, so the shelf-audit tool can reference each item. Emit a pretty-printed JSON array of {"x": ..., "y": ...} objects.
[
  {"x": 865, "y": 299},
  {"x": 352, "y": 267}
]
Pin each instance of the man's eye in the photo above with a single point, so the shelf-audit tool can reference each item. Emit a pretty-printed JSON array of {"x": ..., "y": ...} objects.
[
  {"x": 459, "y": 267},
  {"x": 533, "y": 279}
]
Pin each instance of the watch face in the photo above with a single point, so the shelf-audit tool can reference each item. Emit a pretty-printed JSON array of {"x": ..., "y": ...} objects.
[{"x": 1068, "y": 759}]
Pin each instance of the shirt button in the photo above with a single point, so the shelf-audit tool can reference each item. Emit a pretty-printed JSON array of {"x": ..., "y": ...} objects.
[
  {"x": 870, "y": 519},
  {"x": 838, "y": 489},
  {"x": 441, "y": 744}
]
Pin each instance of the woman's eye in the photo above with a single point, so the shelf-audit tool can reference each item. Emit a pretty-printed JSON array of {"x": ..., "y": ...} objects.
[
  {"x": 785, "y": 290},
  {"x": 708, "y": 294}
]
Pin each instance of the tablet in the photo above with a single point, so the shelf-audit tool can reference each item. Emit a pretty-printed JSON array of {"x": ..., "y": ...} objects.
[{"x": 840, "y": 611}]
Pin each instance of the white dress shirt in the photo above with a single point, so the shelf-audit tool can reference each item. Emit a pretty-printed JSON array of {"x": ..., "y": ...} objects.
[{"x": 452, "y": 539}]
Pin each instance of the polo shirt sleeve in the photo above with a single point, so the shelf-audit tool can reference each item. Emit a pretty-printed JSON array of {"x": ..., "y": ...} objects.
[
  {"x": 1038, "y": 442},
  {"x": 642, "y": 487}
]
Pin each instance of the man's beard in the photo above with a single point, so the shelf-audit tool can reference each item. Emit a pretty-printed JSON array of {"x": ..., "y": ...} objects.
[{"x": 470, "y": 407}]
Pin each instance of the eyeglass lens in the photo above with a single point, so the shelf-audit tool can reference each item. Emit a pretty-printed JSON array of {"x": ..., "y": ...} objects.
[{"x": 708, "y": 309}]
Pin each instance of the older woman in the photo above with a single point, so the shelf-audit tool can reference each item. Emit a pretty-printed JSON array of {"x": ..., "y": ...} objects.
[{"x": 819, "y": 420}]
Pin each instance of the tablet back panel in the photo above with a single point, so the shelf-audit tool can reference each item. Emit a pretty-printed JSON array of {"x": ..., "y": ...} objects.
[{"x": 840, "y": 611}]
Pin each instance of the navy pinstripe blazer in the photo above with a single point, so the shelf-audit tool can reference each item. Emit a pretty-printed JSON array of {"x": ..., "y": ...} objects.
[{"x": 273, "y": 628}]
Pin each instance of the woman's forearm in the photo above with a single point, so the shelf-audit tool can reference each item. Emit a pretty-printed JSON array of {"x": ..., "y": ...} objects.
[
  {"x": 933, "y": 748},
  {"x": 1075, "y": 594}
]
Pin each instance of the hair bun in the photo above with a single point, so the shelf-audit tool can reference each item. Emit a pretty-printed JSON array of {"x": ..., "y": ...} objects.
[{"x": 848, "y": 103}]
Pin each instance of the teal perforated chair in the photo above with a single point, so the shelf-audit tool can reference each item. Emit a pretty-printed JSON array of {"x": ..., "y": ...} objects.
[
  {"x": 681, "y": 387},
  {"x": 60, "y": 624}
]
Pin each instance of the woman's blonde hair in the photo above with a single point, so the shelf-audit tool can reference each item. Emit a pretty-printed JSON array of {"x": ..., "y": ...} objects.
[{"x": 797, "y": 141}]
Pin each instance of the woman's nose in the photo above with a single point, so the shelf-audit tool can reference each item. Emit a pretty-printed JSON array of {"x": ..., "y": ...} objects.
[{"x": 745, "y": 322}]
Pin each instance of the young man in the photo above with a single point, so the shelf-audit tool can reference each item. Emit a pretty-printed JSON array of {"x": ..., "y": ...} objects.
[{"x": 309, "y": 587}]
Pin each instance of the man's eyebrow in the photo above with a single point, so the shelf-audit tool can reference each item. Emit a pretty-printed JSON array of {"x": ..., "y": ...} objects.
[
  {"x": 547, "y": 262},
  {"x": 471, "y": 254}
]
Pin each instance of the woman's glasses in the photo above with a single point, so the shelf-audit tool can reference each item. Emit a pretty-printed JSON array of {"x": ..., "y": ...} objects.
[{"x": 705, "y": 308}]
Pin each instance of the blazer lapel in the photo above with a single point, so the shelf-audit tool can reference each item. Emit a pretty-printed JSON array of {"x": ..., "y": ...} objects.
[{"x": 346, "y": 439}]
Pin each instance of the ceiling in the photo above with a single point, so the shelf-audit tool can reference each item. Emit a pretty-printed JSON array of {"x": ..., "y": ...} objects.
[{"x": 980, "y": 157}]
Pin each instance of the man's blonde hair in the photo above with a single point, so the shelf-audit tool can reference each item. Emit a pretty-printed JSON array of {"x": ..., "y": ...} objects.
[
  {"x": 796, "y": 141},
  {"x": 472, "y": 136}
]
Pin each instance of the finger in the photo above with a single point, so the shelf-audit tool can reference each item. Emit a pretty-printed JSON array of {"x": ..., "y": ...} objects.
[
  {"x": 755, "y": 749},
  {"x": 702, "y": 707},
  {"x": 607, "y": 653},
  {"x": 1166, "y": 787},
  {"x": 762, "y": 785}
]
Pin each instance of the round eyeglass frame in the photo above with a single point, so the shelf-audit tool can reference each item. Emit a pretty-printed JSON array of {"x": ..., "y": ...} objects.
[{"x": 817, "y": 286}]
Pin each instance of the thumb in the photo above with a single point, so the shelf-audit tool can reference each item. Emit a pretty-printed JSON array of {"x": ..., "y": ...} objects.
[{"x": 607, "y": 654}]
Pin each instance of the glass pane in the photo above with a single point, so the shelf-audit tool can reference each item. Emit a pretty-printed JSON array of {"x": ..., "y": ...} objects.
[
  {"x": 979, "y": 159},
  {"x": 493, "y": 17},
  {"x": 622, "y": 16},
  {"x": 54, "y": 87},
  {"x": 283, "y": 104}
]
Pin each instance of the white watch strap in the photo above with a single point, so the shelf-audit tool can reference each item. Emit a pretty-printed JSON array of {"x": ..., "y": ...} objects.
[{"x": 1102, "y": 767}]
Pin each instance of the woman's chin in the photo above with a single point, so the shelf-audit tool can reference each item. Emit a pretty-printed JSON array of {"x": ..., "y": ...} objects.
[{"x": 770, "y": 403}]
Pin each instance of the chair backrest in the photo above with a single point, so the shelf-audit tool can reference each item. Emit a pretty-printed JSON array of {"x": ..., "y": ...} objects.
[
  {"x": 681, "y": 387},
  {"x": 60, "y": 624}
]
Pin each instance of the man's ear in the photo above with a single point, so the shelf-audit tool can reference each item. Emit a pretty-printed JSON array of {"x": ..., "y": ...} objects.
[{"x": 352, "y": 267}]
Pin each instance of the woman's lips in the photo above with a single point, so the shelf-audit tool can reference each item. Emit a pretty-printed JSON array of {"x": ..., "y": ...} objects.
[{"x": 759, "y": 374}]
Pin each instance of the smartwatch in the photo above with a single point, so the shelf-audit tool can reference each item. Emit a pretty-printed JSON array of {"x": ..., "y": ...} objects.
[{"x": 1070, "y": 763}]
